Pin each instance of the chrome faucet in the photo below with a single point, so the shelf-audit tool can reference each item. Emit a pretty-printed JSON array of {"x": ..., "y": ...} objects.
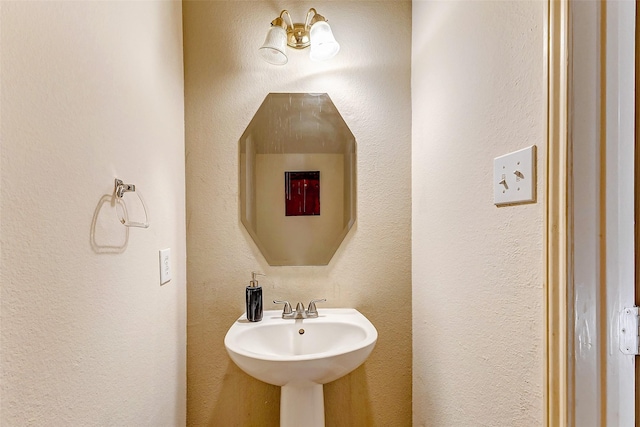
[{"x": 310, "y": 313}]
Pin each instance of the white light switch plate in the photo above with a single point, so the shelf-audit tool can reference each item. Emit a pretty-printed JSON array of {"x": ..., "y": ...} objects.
[
  {"x": 514, "y": 177},
  {"x": 165, "y": 265}
]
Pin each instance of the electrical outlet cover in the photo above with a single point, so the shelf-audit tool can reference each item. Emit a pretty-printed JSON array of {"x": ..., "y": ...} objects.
[
  {"x": 514, "y": 177},
  {"x": 165, "y": 266}
]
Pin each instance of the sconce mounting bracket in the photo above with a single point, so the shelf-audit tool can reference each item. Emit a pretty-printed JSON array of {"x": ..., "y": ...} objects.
[{"x": 298, "y": 36}]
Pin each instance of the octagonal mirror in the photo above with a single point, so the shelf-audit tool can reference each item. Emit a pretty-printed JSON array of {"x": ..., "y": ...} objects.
[{"x": 297, "y": 179}]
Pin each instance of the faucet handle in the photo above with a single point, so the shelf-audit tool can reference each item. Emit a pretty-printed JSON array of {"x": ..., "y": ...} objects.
[
  {"x": 287, "y": 306},
  {"x": 312, "y": 305}
]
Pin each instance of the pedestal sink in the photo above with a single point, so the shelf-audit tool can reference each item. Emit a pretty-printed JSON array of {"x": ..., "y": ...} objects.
[{"x": 301, "y": 355}]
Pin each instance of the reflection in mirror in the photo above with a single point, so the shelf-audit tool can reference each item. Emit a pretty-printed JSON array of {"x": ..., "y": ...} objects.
[
  {"x": 296, "y": 155},
  {"x": 302, "y": 193}
]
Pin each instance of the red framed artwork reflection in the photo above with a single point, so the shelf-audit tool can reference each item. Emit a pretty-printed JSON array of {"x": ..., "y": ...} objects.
[{"x": 302, "y": 193}]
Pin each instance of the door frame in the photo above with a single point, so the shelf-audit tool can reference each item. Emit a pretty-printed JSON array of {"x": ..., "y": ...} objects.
[
  {"x": 556, "y": 33},
  {"x": 560, "y": 377},
  {"x": 637, "y": 191}
]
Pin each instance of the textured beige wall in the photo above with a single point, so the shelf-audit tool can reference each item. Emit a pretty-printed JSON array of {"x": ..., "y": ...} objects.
[
  {"x": 478, "y": 324},
  {"x": 91, "y": 91},
  {"x": 369, "y": 82}
]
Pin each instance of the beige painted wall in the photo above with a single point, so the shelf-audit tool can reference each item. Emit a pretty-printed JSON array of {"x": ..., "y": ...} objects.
[
  {"x": 91, "y": 91},
  {"x": 478, "y": 324},
  {"x": 369, "y": 82}
]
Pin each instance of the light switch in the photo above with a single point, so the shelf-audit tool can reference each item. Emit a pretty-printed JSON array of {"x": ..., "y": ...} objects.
[
  {"x": 165, "y": 266},
  {"x": 514, "y": 177}
]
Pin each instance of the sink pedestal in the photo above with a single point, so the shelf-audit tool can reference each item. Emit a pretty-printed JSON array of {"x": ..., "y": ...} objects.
[
  {"x": 301, "y": 405},
  {"x": 301, "y": 355}
]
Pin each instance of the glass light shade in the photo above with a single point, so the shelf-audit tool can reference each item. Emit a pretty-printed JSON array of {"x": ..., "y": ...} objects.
[
  {"x": 323, "y": 44},
  {"x": 273, "y": 49}
]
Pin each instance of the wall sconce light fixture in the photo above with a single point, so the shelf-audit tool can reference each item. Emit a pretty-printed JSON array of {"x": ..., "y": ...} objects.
[{"x": 315, "y": 32}]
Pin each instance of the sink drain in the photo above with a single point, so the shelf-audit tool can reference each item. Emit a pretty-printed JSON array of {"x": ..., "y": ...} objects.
[{"x": 301, "y": 331}]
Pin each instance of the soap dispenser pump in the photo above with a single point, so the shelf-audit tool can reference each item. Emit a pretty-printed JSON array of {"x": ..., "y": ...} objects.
[{"x": 254, "y": 299}]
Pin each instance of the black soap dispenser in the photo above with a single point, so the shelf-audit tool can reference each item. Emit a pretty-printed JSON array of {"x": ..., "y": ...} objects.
[{"x": 254, "y": 299}]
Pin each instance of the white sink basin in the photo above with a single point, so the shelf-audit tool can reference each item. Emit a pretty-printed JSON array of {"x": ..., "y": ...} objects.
[{"x": 300, "y": 355}]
